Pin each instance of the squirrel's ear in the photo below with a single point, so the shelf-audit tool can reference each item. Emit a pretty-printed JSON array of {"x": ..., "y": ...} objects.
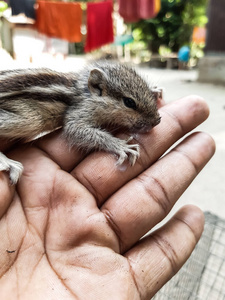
[{"x": 97, "y": 81}]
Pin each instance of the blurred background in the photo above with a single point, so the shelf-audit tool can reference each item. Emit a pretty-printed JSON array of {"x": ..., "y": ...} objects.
[
  {"x": 176, "y": 44},
  {"x": 152, "y": 31}
]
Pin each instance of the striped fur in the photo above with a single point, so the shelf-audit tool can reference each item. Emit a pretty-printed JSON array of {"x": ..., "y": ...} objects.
[{"x": 85, "y": 104}]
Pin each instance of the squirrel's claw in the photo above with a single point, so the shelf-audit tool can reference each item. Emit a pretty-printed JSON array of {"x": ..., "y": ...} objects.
[
  {"x": 14, "y": 168},
  {"x": 128, "y": 151}
]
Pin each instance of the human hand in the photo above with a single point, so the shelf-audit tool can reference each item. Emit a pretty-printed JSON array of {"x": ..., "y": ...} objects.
[{"x": 71, "y": 229}]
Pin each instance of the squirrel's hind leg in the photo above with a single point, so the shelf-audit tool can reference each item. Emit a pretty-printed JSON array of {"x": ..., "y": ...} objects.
[{"x": 14, "y": 168}]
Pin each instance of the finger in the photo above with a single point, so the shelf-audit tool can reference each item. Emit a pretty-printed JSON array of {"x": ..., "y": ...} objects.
[
  {"x": 57, "y": 148},
  {"x": 156, "y": 258},
  {"x": 6, "y": 193},
  {"x": 145, "y": 201},
  {"x": 99, "y": 172}
]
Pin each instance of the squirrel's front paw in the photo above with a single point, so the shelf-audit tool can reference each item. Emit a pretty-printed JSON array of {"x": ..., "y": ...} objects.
[
  {"x": 14, "y": 168},
  {"x": 128, "y": 151}
]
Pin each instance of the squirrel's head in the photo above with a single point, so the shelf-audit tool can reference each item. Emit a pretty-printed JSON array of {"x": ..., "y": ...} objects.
[{"x": 123, "y": 98}]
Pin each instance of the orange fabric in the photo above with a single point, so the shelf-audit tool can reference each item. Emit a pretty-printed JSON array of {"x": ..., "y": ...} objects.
[
  {"x": 157, "y": 6},
  {"x": 199, "y": 34},
  {"x": 60, "y": 20}
]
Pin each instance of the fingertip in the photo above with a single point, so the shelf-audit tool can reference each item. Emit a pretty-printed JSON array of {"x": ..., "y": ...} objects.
[
  {"x": 210, "y": 142},
  {"x": 194, "y": 97},
  {"x": 200, "y": 146},
  {"x": 183, "y": 115},
  {"x": 199, "y": 102},
  {"x": 193, "y": 217}
]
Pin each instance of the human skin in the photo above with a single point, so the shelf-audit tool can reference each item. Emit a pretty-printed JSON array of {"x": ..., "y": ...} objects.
[{"x": 71, "y": 228}]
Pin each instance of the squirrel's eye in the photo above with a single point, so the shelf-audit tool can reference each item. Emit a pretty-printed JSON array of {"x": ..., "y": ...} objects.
[{"x": 129, "y": 103}]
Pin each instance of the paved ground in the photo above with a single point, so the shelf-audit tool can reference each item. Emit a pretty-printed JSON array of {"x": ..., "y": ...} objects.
[{"x": 208, "y": 189}]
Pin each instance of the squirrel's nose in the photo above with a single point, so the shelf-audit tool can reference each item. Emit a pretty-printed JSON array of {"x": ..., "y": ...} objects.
[{"x": 146, "y": 127}]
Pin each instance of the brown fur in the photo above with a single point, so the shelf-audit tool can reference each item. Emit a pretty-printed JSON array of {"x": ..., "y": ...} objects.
[{"x": 104, "y": 95}]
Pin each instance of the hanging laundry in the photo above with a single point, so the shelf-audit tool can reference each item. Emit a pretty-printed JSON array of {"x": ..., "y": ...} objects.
[
  {"x": 99, "y": 25},
  {"x": 157, "y": 6},
  {"x": 23, "y": 6},
  {"x": 199, "y": 35},
  {"x": 129, "y": 10},
  {"x": 134, "y": 10},
  {"x": 146, "y": 9},
  {"x": 60, "y": 20}
]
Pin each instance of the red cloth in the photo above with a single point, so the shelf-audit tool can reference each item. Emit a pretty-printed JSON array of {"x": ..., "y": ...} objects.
[
  {"x": 99, "y": 25},
  {"x": 60, "y": 20},
  {"x": 134, "y": 10},
  {"x": 129, "y": 10},
  {"x": 147, "y": 9}
]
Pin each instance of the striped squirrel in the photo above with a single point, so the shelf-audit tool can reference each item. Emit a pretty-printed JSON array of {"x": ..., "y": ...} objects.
[{"x": 88, "y": 105}]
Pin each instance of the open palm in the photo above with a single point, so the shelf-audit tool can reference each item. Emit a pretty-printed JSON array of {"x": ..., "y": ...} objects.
[{"x": 71, "y": 228}]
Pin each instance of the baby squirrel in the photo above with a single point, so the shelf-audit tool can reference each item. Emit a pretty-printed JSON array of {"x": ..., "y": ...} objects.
[{"x": 104, "y": 96}]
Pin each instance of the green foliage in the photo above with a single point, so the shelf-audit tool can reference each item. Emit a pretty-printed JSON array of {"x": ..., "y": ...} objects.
[
  {"x": 3, "y": 6},
  {"x": 173, "y": 25}
]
